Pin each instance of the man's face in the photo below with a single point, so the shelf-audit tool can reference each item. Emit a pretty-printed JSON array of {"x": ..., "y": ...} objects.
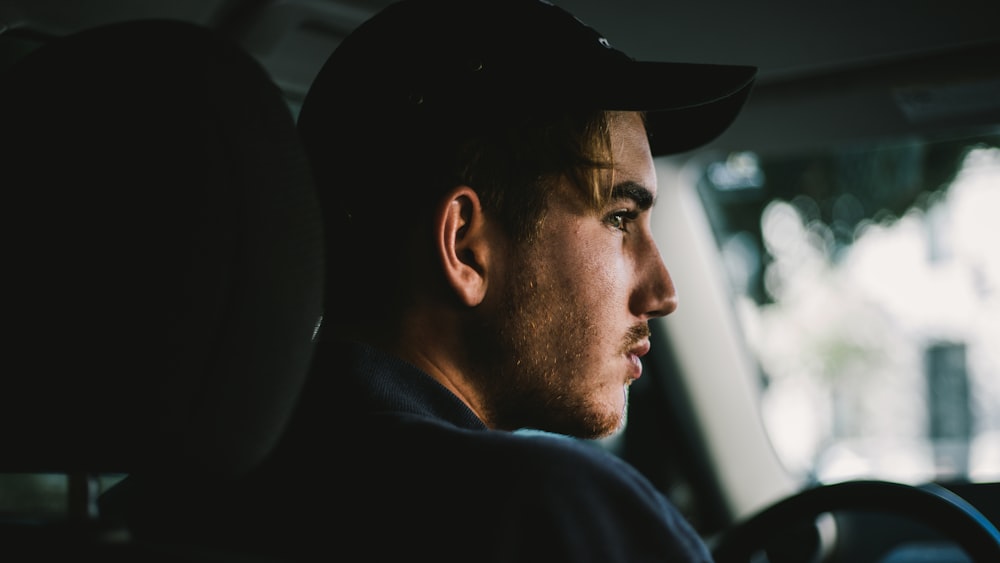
[{"x": 574, "y": 323}]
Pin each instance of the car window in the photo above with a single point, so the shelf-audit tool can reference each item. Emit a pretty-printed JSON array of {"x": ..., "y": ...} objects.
[{"x": 867, "y": 285}]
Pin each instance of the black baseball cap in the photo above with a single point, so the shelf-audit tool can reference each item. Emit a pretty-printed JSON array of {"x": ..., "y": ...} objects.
[{"x": 466, "y": 59}]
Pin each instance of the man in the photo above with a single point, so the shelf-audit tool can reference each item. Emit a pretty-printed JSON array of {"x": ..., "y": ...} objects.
[{"x": 486, "y": 172}]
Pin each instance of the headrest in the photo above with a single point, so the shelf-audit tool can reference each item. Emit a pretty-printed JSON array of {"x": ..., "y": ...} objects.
[{"x": 162, "y": 253}]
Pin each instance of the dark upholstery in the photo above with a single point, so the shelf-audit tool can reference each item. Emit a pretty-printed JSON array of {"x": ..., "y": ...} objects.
[{"x": 162, "y": 256}]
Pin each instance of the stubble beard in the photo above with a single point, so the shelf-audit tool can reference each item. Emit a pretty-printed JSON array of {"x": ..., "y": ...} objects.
[{"x": 539, "y": 376}]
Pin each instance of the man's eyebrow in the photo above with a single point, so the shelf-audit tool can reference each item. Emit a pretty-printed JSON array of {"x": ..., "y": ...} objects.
[{"x": 638, "y": 193}]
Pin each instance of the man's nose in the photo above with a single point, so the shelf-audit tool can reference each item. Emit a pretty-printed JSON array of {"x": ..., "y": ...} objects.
[{"x": 654, "y": 294}]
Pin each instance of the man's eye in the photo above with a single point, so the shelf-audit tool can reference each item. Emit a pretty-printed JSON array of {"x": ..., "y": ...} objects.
[{"x": 621, "y": 219}]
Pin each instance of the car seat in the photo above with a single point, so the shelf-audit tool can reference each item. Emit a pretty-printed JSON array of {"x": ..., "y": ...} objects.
[{"x": 162, "y": 251}]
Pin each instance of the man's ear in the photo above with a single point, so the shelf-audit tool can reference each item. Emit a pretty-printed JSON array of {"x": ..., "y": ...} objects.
[{"x": 463, "y": 244}]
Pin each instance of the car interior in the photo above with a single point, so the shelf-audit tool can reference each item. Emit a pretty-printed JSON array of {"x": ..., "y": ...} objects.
[
  {"x": 827, "y": 391},
  {"x": 166, "y": 240}
]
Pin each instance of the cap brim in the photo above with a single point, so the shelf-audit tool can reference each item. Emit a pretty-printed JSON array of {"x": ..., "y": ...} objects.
[{"x": 688, "y": 105}]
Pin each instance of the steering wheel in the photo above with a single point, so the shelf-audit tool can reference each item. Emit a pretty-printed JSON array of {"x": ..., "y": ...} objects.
[{"x": 931, "y": 504}]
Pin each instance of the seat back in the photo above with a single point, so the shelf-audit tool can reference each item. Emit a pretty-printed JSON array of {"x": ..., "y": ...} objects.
[{"x": 162, "y": 254}]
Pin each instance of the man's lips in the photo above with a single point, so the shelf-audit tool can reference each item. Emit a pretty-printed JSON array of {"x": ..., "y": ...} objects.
[
  {"x": 640, "y": 349},
  {"x": 635, "y": 354}
]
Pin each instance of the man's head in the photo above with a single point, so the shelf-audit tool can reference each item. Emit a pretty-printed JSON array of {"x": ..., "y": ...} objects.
[{"x": 475, "y": 161}]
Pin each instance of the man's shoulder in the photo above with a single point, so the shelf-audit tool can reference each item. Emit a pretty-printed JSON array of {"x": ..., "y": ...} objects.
[
  {"x": 522, "y": 496},
  {"x": 534, "y": 459},
  {"x": 564, "y": 497}
]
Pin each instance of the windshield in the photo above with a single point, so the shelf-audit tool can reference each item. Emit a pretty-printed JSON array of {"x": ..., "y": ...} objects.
[{"x": 867, "y": 284}]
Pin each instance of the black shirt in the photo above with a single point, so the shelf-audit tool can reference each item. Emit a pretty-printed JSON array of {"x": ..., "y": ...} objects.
[
  {"x": 382, "y": 463},
  {"x": 419, "y": 477}
]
